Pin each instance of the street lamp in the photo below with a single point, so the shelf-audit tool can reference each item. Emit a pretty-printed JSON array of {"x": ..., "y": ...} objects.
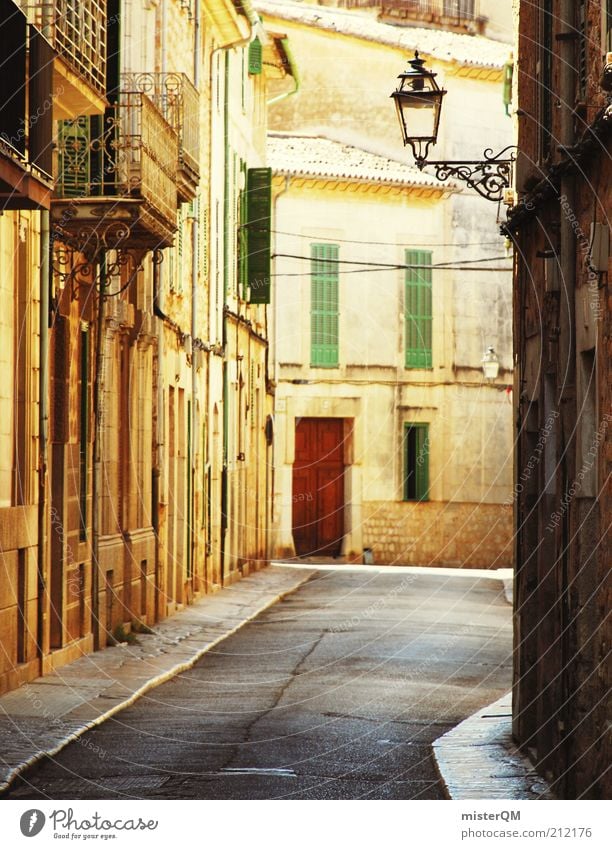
[
  {"x": 418, "y": 100},
  {"x": 490, "y": 364}
]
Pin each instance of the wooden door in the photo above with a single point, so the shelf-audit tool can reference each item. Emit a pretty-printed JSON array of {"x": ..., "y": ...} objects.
[{"x": 318, "y": 486}]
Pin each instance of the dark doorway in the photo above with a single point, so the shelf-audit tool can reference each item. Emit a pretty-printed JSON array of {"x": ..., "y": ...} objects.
[{"x": 318, "y": 486}]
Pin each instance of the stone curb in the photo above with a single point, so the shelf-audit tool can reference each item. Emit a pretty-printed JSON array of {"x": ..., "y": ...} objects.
[
  {"x": 479, "y": 760},
  {"x": 292, "y": 581}
]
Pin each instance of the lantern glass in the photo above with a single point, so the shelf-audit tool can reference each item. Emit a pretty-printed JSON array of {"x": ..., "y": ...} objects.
[
  {"x": 490, "y": 364},
  {"x": 418, "y": 100}
]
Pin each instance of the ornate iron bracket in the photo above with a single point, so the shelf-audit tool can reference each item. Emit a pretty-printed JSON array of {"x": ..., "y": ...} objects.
[
  {"x": 76, "y": 262},
  {"x": 488, "y": 177}
]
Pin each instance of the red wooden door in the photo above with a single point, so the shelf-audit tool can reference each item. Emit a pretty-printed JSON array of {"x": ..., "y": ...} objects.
[{"x": 318, "y": 486}]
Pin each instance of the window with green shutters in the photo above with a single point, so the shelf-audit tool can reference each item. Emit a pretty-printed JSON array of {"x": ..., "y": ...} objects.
[
  {"x": 258, "y": 234},
  {"x": 418, "y": 309},
  {"x": 324, "y": 305},
  {"x": 416, "y": 462}
]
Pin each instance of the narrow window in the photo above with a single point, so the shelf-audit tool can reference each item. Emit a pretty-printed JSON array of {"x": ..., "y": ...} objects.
[
  {"x": 416, "y": 462},
  {"x": 418, "y": 309},
  {"x": 324, "y": 316},
  {"x": 22, "y": 611},
  {"x": 258, "y": 234},
  {"x": 84, "y": 432}
]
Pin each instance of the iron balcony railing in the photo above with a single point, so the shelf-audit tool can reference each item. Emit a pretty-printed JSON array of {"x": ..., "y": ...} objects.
[
  {"x": 455, "y": 12},
  {"x": 77, "y": 30},
  {"x": 130, "y": 152},
  {"x": 179, "y": 102}
]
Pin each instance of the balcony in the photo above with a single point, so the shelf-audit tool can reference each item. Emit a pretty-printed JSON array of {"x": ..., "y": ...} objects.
[
  {"x": 116, "y": 178},
  {"x": 77, "y": 29},
  {"x": 178, "y": 100},
  {"x": 25, "y": 114},
  {"x": 457, "y": 15}
]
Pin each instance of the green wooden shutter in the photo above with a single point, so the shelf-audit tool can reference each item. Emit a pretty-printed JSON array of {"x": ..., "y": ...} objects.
[
  {"x": 416, "y": 462},
  {"x": 74, "y": 160},
  {"x": 324, "y": 305},
  {"x": 259, "y": 203},
  {"x": 418, "y": 310},
  {"x": 255, "y": 57}
]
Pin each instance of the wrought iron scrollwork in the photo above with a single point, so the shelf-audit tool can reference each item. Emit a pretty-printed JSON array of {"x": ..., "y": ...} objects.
[
  {"x": 488, "y": 177},
  {"x": 77, "y": 264}
]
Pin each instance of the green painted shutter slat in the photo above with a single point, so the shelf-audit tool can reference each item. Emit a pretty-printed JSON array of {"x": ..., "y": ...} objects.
[
  {"x": 74, "y": 157},
  {"x": 416, "y": 462},
  {"x": 324, "y": 305},
  {"x": 255, "y": 57},
  {"x": 259, "y": 204},
  {"x": 418, "y": 310}
]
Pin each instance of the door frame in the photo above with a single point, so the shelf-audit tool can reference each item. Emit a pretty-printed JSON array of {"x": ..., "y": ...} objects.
[{"x": 310, "y": 407}]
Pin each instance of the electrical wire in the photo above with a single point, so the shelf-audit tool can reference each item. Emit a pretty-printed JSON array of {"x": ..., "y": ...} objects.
[
  {"x": 387, "y": 244},
  {"x": 381, "y": 266}
]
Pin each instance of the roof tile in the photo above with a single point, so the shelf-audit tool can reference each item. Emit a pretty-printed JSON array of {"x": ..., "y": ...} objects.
[
  {"x": 317, "y": 156},
  {"x": 446, "y": 46}
]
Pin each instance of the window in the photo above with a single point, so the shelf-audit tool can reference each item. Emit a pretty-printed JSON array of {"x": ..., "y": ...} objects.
[
  {"x": 258, "y": 234},
  {"x": 461, "y": 9},
  {"x": 324, "y": 305},
  {"x": 416, "y": 462},
  {"x": 418, "y": 309},
  {"x": 84, "y": 432}
]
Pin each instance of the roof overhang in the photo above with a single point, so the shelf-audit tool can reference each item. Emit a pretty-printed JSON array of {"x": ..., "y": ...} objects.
[{"x": 230, "y": 22}]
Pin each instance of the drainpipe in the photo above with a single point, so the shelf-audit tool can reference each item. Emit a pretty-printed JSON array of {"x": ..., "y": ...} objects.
[
  {"x": 156, "y": 472},
  {"x": 253, "y": 19},
  {"x": 282, "y": 192},
  {"x": 98, "y": 390},
  {"x": 43, "y": 426},
  {"x": 226, "y": 257},
  {"x": 195, "y": 236},
  {"x": 293, "y": 72},
  {"x": 43, "y": 404}
]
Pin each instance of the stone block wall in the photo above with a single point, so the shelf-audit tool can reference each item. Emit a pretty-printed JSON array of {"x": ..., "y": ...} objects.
[{"x": 439, "y": 534}]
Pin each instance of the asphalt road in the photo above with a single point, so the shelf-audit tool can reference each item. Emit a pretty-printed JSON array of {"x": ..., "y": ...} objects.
[{"x": 337, "y": 692}]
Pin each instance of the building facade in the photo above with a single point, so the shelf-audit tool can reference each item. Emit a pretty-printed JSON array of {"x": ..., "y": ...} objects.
[
  {"x": 121, "y": 215},
  {"x": 379, "y": 445},
  {"x": 563, "y": 325},
  {"x": 423, "y": 467}
]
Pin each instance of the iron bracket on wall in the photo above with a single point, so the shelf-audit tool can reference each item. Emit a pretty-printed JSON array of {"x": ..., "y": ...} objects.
[{"x": 489, "y": 177}]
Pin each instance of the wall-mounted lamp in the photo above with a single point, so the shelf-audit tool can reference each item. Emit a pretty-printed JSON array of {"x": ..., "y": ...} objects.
[
  {"x": 490, "y": 364},
  {"x": 418, "y": 100}
]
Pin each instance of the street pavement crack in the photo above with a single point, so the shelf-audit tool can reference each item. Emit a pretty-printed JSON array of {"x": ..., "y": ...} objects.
[{"x": 277, "y": 699}]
